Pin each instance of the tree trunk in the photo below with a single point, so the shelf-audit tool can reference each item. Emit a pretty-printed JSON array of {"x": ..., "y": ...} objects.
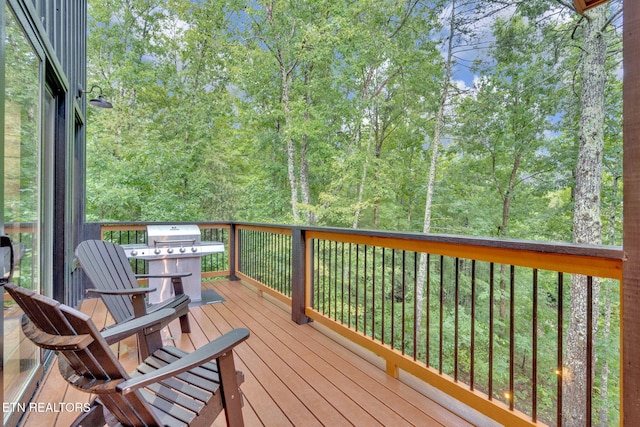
[
  {"x": 290, "y": 145},
  {"x": 435, "y": 146},
  {"x": 304, "y": 149},
  {"x": 503, "y": 229},
  {"x": 304, "y": 180},
  {"x": 360, "y": 191},
  {"x": 380, "y": 136},
  {"x": 285, "y": 70},
  {"x": 363, "y": 180},
  {"x": 586, "y": 214}
]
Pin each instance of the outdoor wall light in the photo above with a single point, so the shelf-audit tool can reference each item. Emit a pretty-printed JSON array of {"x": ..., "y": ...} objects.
[
  {"x": 99, "y": 102},
  {"x": 582, "y": 5}
]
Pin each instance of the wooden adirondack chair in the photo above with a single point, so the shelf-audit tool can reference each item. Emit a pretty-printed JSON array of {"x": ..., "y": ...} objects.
[
  {"x": 108, "y": 269},
  {"x": 170, "y": 388}
]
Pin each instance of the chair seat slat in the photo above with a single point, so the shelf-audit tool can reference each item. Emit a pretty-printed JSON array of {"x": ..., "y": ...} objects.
[
  {"x": 210, "y": 385},
  {"x": 190, "y": 390},
  {"x": 171, "y": 354},
  {"x": 175, "y": 353},
  {"x": 168, "y": 408},
  {"x": 184, "y": 400}
]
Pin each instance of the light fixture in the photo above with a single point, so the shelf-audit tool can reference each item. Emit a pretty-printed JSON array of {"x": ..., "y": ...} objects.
[
  {"x": 583, "y": 5},
  {"x": 99, "y": 102}
]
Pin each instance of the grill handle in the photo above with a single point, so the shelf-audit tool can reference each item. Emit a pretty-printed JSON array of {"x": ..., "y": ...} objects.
[{"x": 172, "y": 242}]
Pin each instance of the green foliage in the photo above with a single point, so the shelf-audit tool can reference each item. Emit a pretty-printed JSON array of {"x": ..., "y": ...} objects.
[
  {"x": 200, "y": 128},
  {"x": 323, "y": 112}
]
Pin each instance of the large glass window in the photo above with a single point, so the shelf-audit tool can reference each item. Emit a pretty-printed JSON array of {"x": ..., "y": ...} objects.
[{"x": 23, "y": 198}]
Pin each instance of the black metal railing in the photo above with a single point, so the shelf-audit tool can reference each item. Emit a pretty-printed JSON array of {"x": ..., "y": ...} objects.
[
  {"x": 462, "y": 318},
  {"x": 489, "y": 319},
  {"x": 217, "y": 263},
  {"x": 265, "y": 256},
  {"x": 486, "y": 321}
]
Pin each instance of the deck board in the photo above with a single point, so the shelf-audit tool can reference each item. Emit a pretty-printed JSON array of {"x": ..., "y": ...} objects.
[
  {"x": 346, "y": 394},
  {"x": 362, "y": 380},
  {"x": 294, "y": 374},
  {"x": 394, "y": 393},
  {"x": 280, "y": 372}
]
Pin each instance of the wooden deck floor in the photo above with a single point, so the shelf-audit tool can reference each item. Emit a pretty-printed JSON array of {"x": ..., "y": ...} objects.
[{"x": 294, "y": 375}]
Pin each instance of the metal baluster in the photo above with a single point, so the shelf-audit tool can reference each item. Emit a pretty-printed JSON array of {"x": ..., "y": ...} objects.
[
  {"x": 491, "y": 327},
  {"x": 559, "y": 346},
  {"x": 404, "y": 300},
  {"x": 373, "y": 293},
  {"x": 534, "y": 349},
  {"x": 456, "y": 335},
  {"x": 382, "y": 304},
  {"x": 427, "y": 328},
  {"x": 357, "y": 283},
  {"x": 441, "y": 337},
  {"x": 472, "y": 367},
  {"x": 364, "y": 298},
  {"x": 393, "y": 298},
  {"x": 335, "y": 281},
  {"x": 512, "y": 338},
  {"x": 342, "y": 287},
  {"x": 589, "y": 387},
  {"x": 416, "y": 321}
]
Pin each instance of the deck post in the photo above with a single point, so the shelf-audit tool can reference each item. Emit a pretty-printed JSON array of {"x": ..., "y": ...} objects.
[
  {"x": 234, "y": 249},
  {"x": 298, "y": 275},
  {"x": 630, "y": 332}
]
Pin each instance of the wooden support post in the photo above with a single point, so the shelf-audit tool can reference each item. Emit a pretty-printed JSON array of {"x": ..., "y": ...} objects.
[
  {"x": 631, "y": 243},
  {"x": 392, "y": 369},
  {"x": 298, "y": 276},
  {"x": 234, "y": 251}
]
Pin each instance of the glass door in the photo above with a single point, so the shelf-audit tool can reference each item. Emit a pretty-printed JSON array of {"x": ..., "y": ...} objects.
[{"x": 23, "y": 200}]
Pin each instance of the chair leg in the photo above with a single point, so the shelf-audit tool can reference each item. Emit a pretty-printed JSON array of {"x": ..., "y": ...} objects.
[
  {"x": 231, "y": 396},
  {"x": 184, "y": 324},
  {"x": 149, "y": 340}
]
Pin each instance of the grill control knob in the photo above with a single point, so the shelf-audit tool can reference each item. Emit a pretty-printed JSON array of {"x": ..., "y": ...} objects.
[
  {"x": 156, "y": 251},
  {"x": 182, "y": 250},
  {"x": 194, "y": 249},
  {"x": 134, "y": 253},
  {"x": 170, "y": 250}
]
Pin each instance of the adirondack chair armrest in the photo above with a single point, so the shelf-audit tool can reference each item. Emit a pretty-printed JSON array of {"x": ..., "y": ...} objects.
[
  {"x": 176, "y": 279},
  {"x": 163, "y": 276},
  {"x": 123, "y": 330},
  {"x": 213, "y": 350},
  {"x": 137, "y": 291}
]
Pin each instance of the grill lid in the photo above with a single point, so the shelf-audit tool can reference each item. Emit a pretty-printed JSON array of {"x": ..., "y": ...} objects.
[
  {"x": 172, "y": 241},
  {"x": 181, "y": 234}
]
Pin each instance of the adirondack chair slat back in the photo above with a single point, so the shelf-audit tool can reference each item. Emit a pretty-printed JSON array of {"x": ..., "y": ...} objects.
[
  {"x": 91, "y": 366},
  {"x": 107, "y": 267}
]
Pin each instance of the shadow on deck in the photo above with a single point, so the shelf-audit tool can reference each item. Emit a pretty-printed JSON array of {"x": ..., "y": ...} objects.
[{"x": 294, "y": 375}]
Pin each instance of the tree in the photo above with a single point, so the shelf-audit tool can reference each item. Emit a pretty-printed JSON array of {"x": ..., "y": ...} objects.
[
  {"x": 587, "y": 226},
  {"x": 435, "y": 147}
]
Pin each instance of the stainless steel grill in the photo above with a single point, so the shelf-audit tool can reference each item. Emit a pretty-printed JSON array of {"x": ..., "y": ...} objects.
[{"x": 174, "y": 249}]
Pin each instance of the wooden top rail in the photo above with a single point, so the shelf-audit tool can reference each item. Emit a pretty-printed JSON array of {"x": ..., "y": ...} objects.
[
  {"x": 599, "y": 261},
  {"x": 591, "y": 260}
]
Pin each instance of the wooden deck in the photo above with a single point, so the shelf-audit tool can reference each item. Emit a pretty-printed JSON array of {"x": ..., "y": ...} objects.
[{"x": 294, "y": 374}]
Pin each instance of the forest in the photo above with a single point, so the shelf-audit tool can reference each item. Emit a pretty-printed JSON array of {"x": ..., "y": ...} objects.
[
  {"x": 329, "y": 113},
  {"x": 495, "y": 118}
]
